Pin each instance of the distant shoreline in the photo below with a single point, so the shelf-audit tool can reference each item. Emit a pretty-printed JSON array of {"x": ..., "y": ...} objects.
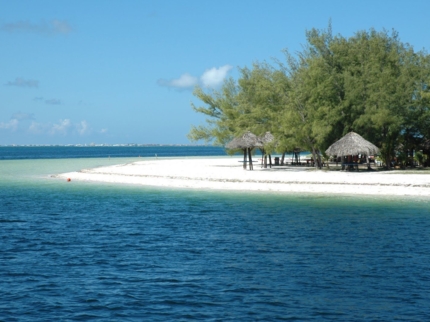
[
  {"x": 227, "y": 174},
  {"x": 105, "y": 145}
]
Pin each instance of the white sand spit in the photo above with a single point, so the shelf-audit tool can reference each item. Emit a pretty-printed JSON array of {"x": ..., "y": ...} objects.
[{"x": 227, "y": 174}]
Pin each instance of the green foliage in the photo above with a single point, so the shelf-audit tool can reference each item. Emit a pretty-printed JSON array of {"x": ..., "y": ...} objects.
[
  {"x": 370, "y": 83},
  {"x": 221, "y": 110},
  {"x": 419, "y": 157}
]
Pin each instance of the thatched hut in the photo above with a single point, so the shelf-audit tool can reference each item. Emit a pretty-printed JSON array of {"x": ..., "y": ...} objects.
[
  {"x": 352, "y": 144},
  {"x": 261, "y": 143},
  {"x": 246, "y": 143},
  {"x": 264, "y": 139}
]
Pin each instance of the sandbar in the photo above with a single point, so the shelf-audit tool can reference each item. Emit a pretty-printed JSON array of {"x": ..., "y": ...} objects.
[{"x": 227, "y": 173}]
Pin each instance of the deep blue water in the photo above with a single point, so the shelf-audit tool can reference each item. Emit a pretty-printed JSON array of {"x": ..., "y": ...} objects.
[{"x": 102, "y": 252}]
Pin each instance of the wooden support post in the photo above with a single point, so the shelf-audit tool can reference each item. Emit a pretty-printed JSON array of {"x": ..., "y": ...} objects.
[
  {"x": 264, "y": 158},
  {"x": 250, "y": 159},
  {"x": 244, "y": 159}
]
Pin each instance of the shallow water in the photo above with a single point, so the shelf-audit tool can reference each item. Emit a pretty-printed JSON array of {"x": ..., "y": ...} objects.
[{"x": 88, "y": 251}]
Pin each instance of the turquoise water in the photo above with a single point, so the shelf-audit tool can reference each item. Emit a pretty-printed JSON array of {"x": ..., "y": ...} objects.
[{"x": 89, "y": 251}]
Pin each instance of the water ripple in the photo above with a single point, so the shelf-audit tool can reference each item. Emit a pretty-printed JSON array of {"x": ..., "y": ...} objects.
[{"x": 135, "y": 255}]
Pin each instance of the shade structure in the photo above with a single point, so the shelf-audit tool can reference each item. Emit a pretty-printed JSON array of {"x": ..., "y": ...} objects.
[
  {"x": 352, "y": 144},
  {"x": 264, "y": 139},
  {"x": 248, "y": 140},
  {"x": 246, "y": 143},
  {"x": 261, "y": 143}
]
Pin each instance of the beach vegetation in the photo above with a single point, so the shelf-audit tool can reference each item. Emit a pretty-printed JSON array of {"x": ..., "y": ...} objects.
[{"x": 370, "y": 83}]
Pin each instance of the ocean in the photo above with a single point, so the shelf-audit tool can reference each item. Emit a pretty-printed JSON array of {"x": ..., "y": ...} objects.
[{"x": 85, "y": 251}]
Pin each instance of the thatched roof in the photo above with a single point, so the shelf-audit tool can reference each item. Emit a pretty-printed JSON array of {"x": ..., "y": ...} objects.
[
  {"x": 264, "y": 139},
  {"x": 352, "y": 144},
  {"x": 248, "y": 140}
]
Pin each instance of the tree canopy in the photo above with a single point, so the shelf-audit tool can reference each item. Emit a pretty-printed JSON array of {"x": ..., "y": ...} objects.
[{"x": 370, "y": 83}]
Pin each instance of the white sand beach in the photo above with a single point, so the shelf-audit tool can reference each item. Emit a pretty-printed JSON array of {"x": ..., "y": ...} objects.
[{"x": 227, "y": 174}]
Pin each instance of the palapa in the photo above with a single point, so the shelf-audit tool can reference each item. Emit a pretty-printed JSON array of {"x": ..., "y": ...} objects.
[
  {"x": 352, "y": 144},
  {"x": 264, "y": 139},
  {"x": 248, "y": 140},
  {"x": 261, "y": 143},
  {"x": 246, "y": 143}
]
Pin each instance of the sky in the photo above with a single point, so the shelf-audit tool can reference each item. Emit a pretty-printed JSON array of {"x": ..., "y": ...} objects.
[{"x": 118, "y": 72}]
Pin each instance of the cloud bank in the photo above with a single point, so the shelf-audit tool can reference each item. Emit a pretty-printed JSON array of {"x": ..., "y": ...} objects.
[
  {"x": 21, "y": 82},
  {"x": 11, "y": 125},
  {"x": 62, "y": 127},
  {"x": 212, "y": 77},
  {"x": 19, "y": 122},
  {"x": 15, "y": 120},
  {"x": 52, "y": 27}
]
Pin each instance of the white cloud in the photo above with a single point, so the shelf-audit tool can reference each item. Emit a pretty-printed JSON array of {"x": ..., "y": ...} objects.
[
  {"x": 184, "y": 81},
  {"x": 11, "y": 125},
  {"x": 15, "y": 120},
  {"x": 82, "y": 128},
  {"x": 215, "y": 76},
  {"x": 61, "y": 128},
  {"x": 212, "y": 77},
  {"x": 52, "y": 27},
  {"x": 21, "y": 82}
]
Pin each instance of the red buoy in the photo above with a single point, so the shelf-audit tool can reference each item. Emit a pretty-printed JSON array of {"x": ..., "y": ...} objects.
[{"x": 68, "y": 179}]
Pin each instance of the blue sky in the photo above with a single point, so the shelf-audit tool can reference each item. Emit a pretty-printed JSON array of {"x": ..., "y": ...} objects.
[{"x": 76, "y": 72}]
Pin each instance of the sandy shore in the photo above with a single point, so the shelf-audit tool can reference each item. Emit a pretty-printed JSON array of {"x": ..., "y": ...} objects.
[{"x": 227, "y": 174}]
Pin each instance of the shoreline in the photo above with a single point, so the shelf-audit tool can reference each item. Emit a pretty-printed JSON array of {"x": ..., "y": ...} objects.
[{"x": 227, "y": 174}]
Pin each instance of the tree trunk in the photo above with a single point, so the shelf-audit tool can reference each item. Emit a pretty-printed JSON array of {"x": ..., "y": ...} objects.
[
  {"x": 250, "y": 159},
  {"x": 263, "y": 159},
  {"x": 282, "y": 158},
  {"x": 317, "y": 158},
  {"x": 387, "y": 159},
  {"x": 270, "y": 160}
]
